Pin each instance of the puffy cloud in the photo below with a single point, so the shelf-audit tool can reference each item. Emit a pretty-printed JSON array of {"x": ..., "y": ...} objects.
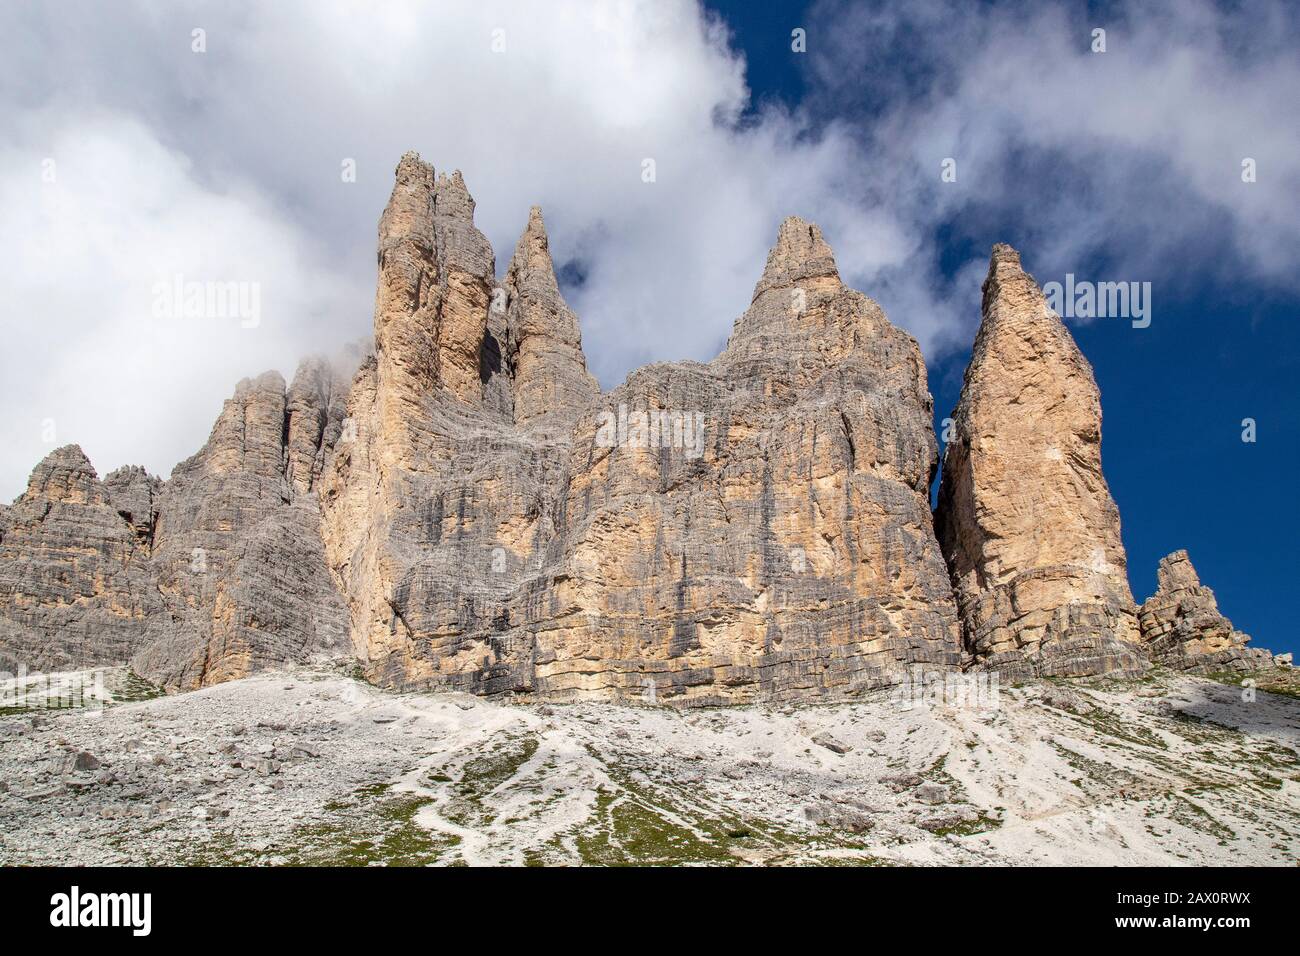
[
  {"x": 226, "y": 165},
  {"x": 101, "y": 223}
]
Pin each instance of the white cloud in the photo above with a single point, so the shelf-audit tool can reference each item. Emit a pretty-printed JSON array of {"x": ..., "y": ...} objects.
[
  {"x": 85, "y": 349},
  {"x": 1131, "y": 156},
  {"x": 228, "y": 162}
]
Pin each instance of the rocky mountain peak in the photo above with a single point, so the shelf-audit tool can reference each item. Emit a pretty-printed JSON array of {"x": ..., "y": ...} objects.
[
  {"x": 801, "y": 256},
  {"x": 65, "y": 475},
  {"x": 1183, "y": 629},
  {"x": 469, "y": 511},
  {"x": 1176, "y": 573},
  {"x": 544, "y": 343},
  {"x": 1025, "y": 518},
  {"x": 451, "y": 197},
  {"x": 532, "y": 264}
]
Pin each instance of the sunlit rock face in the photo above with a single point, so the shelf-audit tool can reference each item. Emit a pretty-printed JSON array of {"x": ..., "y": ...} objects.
[
  {"x": 1027, "y": 523},
  {"x": 462, "y": 507},
  {"x": 1182, "y": 627},
  {"x": 754, "y": 527}
]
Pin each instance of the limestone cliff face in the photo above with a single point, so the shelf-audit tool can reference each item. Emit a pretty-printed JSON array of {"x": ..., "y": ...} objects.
[
  {"x": 783, "y": 550},
  {"x": 470, "y": 511},
  {"x": 1027, "y": 524},
  {"x": 753, "y": 527},
  {"x": 237, "y": 555},
  {"x": 75, "y": 591},
  {"x": 546, "y": 367},
  {"x": 1182, "y": 627},
  {"x": 211, "y": 575}
]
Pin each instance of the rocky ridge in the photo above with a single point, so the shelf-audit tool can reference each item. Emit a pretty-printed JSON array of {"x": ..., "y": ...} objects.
[{"x": 470, "y": 512}]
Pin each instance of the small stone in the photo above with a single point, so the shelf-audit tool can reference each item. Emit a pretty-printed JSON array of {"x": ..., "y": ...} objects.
[
  {"x": 1062, "y": 698},
  {"x": 932, "y": 793},
  {"x": 824, "y": 739},
  {"x": 900, "y": 782},
  {"x": 84, "y": 760}
]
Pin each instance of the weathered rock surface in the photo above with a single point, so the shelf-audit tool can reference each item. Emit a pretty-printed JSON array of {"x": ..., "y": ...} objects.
[
  {"x": 74, "y": 590},
  {"x": 211, "y": 575},
  {"x": 237, "y": 550},
  {"x": 1182, "y": 627},
  {"x": 1026, "y": 522},
  {"x": 470, "y": 512},
  {"x": 771, "y": 538}
]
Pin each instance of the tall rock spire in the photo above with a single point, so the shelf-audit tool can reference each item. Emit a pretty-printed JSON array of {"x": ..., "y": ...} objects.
[
  {"x": 545, "y": 345},
  {"x": 435, "y": 280},
  {"x": 1026, "y": 521}
]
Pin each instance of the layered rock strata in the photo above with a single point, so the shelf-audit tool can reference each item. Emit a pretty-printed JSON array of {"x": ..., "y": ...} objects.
[
  {"x": 237, "y": 554},
  {"x": 1183, "y": 629},
  {"x": 471, "y": 512},
  {"x": 1026, "y": 521},
  {"x": 213, "y": 574},
  {"x": 75, "y": 591},
  {"x": 757, "y": 526}
]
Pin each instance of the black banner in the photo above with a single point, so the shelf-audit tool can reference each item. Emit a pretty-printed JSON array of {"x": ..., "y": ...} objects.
[{"x": 189, "y": 906}]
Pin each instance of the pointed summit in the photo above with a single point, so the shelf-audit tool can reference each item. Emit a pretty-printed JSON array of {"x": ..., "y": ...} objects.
[
  {"x": 801, "y": 255},
  {"x": 1183, "y": 629},
  {"x": 435, "y": 275},
  {"x": 532, "y": 259},
  {"x": 1025, "y": 519},
  {"x": 409, "y": 213},
  {"x": 451, "y": 197},
  {"x": 801, "y": 306},
  {"x": 544, "y": 342},
  {"x": 1010, "y": 291},
  {"x": 66, "y": 475}
]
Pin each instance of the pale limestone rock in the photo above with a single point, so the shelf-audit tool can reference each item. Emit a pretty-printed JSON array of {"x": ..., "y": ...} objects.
[
  {"x": 237, "y": 554},
  {"x": 1182, "y": 627},
  {"x": 1026, "y": 521},
  {"x": 134, "y": 493},
  {"x": 75, "y": 590},
  {"x": 496, "y": 541},
  {"x": 544, "y": 346},
  {"x": 471, "y": 512}
]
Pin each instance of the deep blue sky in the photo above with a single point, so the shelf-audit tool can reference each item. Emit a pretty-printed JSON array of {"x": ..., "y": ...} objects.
[{"x": 1173, "y": 395}]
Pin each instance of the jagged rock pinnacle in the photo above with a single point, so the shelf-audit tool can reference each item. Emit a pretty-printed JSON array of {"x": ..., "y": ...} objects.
[
  {"x": 1183, "y": 629},
  {"x": 1025, "y": 518},
  {"x": 801, "y": 254},
  {"x": 544, "y": 350}
]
